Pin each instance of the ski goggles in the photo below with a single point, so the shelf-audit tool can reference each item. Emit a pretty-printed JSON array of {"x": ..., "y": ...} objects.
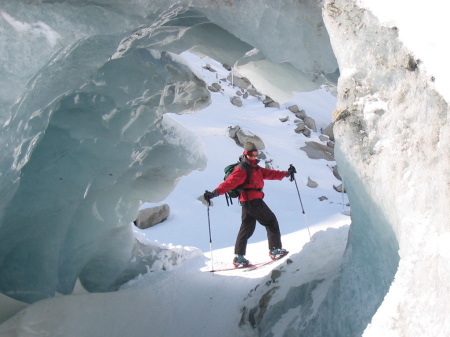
[{"x": 251, "y": 153}]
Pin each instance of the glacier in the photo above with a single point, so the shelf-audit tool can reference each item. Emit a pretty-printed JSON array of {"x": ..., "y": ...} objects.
[{"x": 85, "y": 140}]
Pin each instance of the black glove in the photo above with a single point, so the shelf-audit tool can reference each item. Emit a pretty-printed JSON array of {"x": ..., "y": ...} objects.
[
  {"x": 290, "y": 172},
  {"x": 209, "y": 195}
]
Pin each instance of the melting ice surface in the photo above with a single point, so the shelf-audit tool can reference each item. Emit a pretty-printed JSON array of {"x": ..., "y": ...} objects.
[{"x": 84, "y": 89}]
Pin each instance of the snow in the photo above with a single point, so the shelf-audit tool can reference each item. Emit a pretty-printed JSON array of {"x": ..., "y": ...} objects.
[
  {"x": 190, "y": 300},
  {"x": 199, "y": 302}
]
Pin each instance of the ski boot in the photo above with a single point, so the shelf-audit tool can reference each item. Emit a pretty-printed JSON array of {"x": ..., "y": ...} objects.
[
  {"x": 240, "y": 261},
  {"x": 278, "y": 253}
]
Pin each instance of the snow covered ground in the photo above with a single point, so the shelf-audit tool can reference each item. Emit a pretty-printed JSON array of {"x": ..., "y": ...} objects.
[
  {"x": 189, "y": 299},
  {"x": 219, "y": 296}
]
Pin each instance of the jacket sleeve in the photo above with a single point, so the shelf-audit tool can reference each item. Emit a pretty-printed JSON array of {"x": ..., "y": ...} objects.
[
  {"x": 236, "y": 178},
  {"x": 272, "y": 174}
]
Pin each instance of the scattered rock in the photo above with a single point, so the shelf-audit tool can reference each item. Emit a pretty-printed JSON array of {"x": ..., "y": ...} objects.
[
  {"x": 242, "y": 83},
  {"x": 322, "y": 198},
  {"x": 284, "y": 119},
  {"x": 339, "y": 188},
  {"x": 300, "y": 127},
  {"x": 330, "y": 144},
  {"x": 323, "y": 138},
  {"x": 316, "y": 150},
  {"x": 245, "y": 95},
  {"x": 254, "y": 92},
  {"x": 336, "y": 173},
  {"x": 310, "y": 123},
  {"x": 300, "y": 114},
  {"x": 241, "y": 136},
  {"x": 328, "y": 131},
  {"x": 294, "y": 108},
  {"x": 270, "y": 103},
  {"x": 311, "y": 183},
  {"x": 306, "y": 132},
  {"x": 149, "y": 217},
  {"x": 236, "y": 101},
  {"x": 215, "y": 87}
]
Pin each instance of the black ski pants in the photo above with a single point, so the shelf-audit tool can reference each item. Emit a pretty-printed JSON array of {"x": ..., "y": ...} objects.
[{"x": 252, "y": 211}]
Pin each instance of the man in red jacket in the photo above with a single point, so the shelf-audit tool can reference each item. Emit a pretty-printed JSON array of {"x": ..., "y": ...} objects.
[{"x": 251, "y": 176}]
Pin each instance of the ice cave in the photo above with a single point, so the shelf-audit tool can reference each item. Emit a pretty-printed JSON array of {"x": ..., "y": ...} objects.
[{"x": 84, "y": 88}]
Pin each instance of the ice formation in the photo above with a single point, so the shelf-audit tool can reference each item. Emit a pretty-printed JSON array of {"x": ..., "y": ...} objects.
[
  {"x": 85, "y": 138},
  {"x": 84, "y": 134}
]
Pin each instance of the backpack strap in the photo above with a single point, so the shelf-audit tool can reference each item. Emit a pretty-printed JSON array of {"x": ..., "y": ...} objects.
[{"x": 249, "y": 170}]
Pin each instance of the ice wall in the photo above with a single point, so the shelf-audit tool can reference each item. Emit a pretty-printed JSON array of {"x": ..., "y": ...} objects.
[
  {"x": 84, "y": 88},
  {"x": 392, "y": 131},
  {"x": 84, "y": 143},
  {"x": 393, "y": 138}
]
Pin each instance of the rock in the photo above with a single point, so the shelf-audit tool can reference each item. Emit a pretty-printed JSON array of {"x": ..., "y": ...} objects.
[
  {"x": 253, "y": 92},
  {"x": 245, "y": 95},
  {"x": 232, "y": 130},
  {"x": 215, "y": 87},
  {"x": 311, "y": 183},
  {"x": 284, "y": 119},
  {"x": 310, "y": 123},
  {"x": 339, "y": 188},
  {"x": 336, "y": 173},
  {"x": 300, "y": 114},
  {"x": 322, "y": 198},
  {"x": 149, "y": 217},
  {"x": 270, "y": 103},
  {"x": 316, "y": 150},
  {"x": 236, "y": 101},
  {"x": 294, "y": 108},
  {"x": 300, "y": 127},
  {"x": 328, "y": 131},
  {"x": 306, "y": 132},
  {"x": 242, "y": 83},
  {"x": 241, "y": 137},
  {"x": 330, "y": 144},
  {"x": 323, "y": 138}
]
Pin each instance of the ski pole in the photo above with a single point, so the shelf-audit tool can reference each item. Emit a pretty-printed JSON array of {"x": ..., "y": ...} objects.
[
  {"x": 210, "y": 237},
  {"x": 301, "y": 204}
]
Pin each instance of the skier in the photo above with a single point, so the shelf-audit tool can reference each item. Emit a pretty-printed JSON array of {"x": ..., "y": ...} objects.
[{"x": 251, "y": 176}]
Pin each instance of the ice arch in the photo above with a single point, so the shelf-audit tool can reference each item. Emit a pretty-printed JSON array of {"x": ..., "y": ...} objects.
[
  {"x": 85, "y": 86},
  {"x": 370, "y": 128}
]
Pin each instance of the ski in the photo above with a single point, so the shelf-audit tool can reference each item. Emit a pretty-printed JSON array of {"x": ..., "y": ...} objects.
[
  {"x": 250, "y": 267},
  {"x": 259, "y": 265},
  {"x": 235, "y": 268}
]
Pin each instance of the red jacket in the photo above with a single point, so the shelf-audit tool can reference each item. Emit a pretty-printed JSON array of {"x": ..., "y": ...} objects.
[{"x": 258, "y": 175}]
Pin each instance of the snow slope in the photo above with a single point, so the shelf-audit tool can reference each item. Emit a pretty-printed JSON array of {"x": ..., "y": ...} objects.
[{"x": 189, "y": 299}]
